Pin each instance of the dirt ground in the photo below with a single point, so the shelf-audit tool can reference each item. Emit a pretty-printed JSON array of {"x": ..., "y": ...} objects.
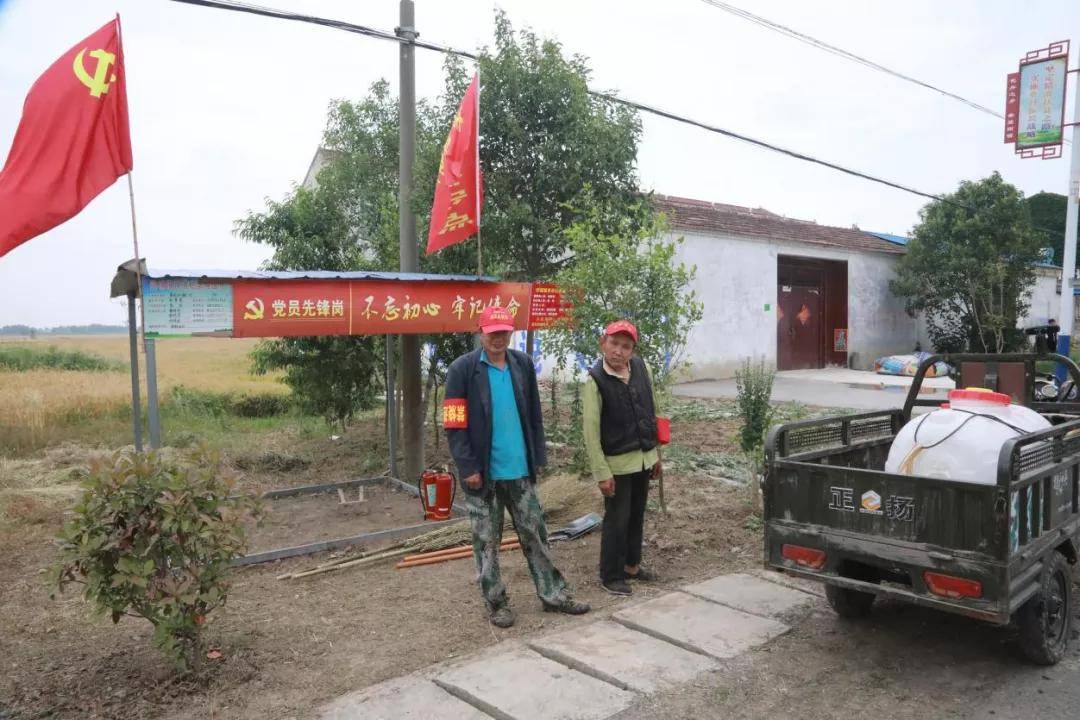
[
  {"x": 289, "y": 646},
  {"x": 312, "y": 518}
]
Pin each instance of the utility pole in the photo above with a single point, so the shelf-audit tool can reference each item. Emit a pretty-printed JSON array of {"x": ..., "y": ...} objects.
[
  {"x": 412, "y": 413},
  {"x": 1068, "y": 271}
]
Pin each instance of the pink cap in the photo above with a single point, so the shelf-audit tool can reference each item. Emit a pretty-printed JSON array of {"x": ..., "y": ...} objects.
[
  {"x": 496, "y": 319},
  {"x": 622, "y": 326}
]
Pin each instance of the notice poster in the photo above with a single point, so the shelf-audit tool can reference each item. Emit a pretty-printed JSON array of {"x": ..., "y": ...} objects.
[
  {"x": 547, "y": 306},
  {"x": 1042, "y": 103},
  {"x": 181, "y": 307}
]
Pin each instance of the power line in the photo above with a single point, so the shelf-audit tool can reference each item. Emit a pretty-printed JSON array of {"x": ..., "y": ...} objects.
[
  {"x": 822, "y": 45},
  {"x": 237, "y": 6},
  {"x": 383, "y": 35}
]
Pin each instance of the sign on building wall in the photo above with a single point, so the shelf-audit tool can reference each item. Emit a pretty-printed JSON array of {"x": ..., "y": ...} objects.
[
  {"x": 1035, "y": 102},
  {"x": 186, "y": 306}
]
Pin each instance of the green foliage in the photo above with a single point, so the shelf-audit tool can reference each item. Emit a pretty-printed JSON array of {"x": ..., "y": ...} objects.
[
  {"x": 753, "y": 383},
  {"x": 545, "y": 141},
  {"x": 153, "y": 538},
  {"x": 576, "y": 438},
  {"x": 261, "y": 405},
  {"x": 627, "y": 274},
  {"x": 52, "y": 358},
  {"x": 330, "y": 376},
  {"x": 970, "y": 270},
  {"x": 1048, "y": 212},
  {"x": 184, "y": 400}
]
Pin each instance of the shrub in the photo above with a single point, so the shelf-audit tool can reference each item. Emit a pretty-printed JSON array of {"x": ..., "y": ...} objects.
[
  {"x": 153, "y": 538},
  {"x": 261, "y": 405},
  {"x": 21, "y": 359},
  {"x": 754, "y": 391},
  {"x": 191, "y": 401}
]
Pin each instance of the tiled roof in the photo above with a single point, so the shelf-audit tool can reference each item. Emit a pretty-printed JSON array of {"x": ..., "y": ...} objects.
[{"x": 716, "y": 218}]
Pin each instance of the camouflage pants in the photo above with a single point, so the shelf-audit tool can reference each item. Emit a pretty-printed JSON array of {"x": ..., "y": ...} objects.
[{"x": 486, "y": 517}]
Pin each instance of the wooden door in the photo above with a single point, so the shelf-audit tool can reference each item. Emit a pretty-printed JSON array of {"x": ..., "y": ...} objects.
[{"x": 798, "y": 327}]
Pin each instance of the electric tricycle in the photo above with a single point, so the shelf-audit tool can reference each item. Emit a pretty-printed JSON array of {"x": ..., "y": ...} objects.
[{"x": 998, "y": 552}]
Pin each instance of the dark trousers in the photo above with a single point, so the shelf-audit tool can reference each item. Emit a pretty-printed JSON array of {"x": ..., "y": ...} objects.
[{"x": 624, "y": 524}]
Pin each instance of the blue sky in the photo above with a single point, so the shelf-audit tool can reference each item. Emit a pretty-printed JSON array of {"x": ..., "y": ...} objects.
[{"x": 227, "y": 109}]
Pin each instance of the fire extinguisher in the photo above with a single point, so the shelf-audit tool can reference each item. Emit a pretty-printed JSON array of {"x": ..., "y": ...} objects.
[{"x": 437, "y": 492}]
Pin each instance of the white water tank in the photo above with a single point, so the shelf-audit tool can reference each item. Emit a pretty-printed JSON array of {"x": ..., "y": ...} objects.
[{"x": 961, "y": 441}]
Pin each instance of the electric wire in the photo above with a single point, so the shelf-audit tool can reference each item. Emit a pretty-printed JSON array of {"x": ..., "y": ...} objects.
[
  {"x": 834, "y": 50},
  {"x": 237, "y": 6}
]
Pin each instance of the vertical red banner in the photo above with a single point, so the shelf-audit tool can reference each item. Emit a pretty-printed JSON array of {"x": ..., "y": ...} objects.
[{"x": 1012, "y": 107}]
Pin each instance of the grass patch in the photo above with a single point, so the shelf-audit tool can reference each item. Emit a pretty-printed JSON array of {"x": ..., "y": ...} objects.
[{"x": 25, "y": 358}]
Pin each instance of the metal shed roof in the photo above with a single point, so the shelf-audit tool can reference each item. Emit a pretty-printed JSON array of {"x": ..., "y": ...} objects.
[{"x": 125, "y": 280}]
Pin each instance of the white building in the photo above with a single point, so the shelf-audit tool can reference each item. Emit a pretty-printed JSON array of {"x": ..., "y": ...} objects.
[{"x": 798, "y": 294}]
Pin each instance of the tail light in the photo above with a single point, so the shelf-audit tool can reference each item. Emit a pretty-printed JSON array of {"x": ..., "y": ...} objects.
[
  {"x": 952, "y": 587},
  {"x": 807, "y": 557}
]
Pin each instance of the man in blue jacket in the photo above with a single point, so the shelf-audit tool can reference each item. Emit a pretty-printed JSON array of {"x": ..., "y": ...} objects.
[{"x": 496, "y": 434}]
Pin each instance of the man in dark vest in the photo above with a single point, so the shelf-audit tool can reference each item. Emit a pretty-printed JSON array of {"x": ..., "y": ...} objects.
[
  {"x": 619, "y": 423},
  {"x": 496, "y": 434}
]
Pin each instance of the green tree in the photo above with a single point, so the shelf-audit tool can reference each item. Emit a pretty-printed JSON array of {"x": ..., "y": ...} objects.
[
  {"x": 629, "y": 273},
  {"x": 544, "y": 140},
  {"x": 1048, "y": 216},
  {"x": 347, "y": 221},
  {"x": 970, "y": 266}
]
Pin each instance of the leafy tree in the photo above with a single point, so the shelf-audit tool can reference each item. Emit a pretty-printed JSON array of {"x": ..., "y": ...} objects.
[
  {"x": 1048, "y": 215},
  {"x": 544, "y": 140},
  {"x": 970, "y": 266},
  {"x": 627, "y": 274},
  {"x": 348, "y": 221}
]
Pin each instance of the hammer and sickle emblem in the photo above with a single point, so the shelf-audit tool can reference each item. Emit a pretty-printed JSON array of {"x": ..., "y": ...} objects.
[
  {"x": 102, "y": 78},
  {"x": 254, "y": 310}
]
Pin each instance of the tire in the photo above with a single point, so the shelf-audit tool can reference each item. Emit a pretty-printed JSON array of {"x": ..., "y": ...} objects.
[
  {"x": 1045, "y": 621},
  {"x": 849, "y": 603}
]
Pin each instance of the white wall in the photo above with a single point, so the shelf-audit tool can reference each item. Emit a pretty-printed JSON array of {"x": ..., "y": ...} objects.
[
  {"x": 1045, "y": 300},
  {"x": 736, "y": 279}
]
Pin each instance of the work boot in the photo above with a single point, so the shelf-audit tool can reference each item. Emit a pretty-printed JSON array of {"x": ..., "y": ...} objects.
[
  {"x": 569, "y": 606},
  {"x": 502, "y": 617},
  {"x": 617, "y": 587}
]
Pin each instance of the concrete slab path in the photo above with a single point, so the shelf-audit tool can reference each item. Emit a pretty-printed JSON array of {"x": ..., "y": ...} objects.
[
  {"x": 596, "y": 670},
  {"x": 403, "y": 698},
  {"x": 624, "y": 657},
  {"x": 699, "y": 625},
  {"x": 515, "y": 683},
  {"x": 752, "y": 595}
]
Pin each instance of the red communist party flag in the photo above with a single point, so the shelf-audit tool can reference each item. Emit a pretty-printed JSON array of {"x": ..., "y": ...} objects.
[
  {"x": 72, "y": 141},
  {"x": 455, "y": 214}
]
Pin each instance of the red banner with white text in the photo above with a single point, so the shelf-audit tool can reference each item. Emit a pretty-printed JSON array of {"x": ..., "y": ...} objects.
[{"x": 298, "y": 308}]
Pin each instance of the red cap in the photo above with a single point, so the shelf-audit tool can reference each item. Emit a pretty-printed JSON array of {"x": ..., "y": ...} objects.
[
  {"x": 496, "y": 319},
  {"x": 980, "y": 395},
  {"x": 622, "y": 326}
]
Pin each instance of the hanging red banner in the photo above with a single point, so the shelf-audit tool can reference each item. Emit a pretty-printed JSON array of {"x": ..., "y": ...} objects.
[
  {"x": 1012, "y": 106},
  {"x": 297, "y": 308}
]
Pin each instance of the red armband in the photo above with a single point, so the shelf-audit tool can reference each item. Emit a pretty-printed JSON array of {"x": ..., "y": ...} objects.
[{"x": 455, "y": 414}]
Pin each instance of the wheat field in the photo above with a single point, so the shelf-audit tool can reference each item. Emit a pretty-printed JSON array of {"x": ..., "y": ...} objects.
[{"x": 33, "y": 400}]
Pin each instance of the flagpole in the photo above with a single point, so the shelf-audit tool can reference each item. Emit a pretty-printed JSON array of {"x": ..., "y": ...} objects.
[
  {"x": 138, "y": 260},
  {"x": 479, "y": 246}
]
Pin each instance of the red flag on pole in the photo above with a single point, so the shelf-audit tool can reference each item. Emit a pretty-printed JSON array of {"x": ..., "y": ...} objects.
[
  {"x": 72, "y": 141},
  {"x": 455, "y": 214}
]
